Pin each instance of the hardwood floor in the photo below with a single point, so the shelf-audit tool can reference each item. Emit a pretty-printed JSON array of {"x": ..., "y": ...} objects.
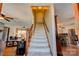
[
  {"x": 9, "y": 51},
  {"x": 67, "y": 51},
  {"x": 71, "y": 51}
]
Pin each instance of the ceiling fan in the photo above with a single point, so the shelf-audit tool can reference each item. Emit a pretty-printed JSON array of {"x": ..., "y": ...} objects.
[{"x": 7, "y": 18}]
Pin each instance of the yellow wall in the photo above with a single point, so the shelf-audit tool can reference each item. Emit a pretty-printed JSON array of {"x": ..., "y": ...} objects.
[{"x": 39, "y": 17}]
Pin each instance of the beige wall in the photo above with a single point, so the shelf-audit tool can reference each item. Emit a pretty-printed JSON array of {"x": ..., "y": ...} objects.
[{"x": 50, "y": 21}]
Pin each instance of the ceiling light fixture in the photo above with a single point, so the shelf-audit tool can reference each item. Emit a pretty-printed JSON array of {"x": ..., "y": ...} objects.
[
  {"x": 34, "y": 8},
  {"x": 45, "y": 8},
  {"x": 39, "y": 7}
]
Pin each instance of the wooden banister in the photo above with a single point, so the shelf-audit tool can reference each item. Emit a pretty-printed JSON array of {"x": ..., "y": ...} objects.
[
  {"x": 31, "y": 30},
  {"x": 47, "y": 30},
  {"x": 46, "y": 27},
  {"x": 29, "y": 38}
]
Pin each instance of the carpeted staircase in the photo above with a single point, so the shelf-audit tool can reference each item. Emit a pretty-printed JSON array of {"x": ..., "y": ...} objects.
[{"x": 39, "y": 43}]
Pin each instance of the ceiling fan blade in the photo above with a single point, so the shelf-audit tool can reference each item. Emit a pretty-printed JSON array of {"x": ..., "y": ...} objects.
[
  {"x": 7, "y": 19},
  {"x": 2, "y": 15}
]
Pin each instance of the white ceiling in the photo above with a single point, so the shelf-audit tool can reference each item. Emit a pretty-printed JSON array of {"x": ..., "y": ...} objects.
[
  {"x": 21, "y": 12},
  {"x": 64, "y": 10},
  {"x": 65, "y": 15}
]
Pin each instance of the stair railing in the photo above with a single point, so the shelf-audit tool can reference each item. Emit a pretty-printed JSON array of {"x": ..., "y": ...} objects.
[
  {"x": 30, "y": 32},
  {"x": 47, "y": 35},
  {"x": 46, "y": 30}
]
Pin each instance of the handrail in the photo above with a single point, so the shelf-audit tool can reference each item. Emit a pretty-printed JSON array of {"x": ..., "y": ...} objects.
[
  {"x": 46, "y": 34},
  {"x": 29, "y": 38},
  {"x": 46, "y": 27},
  {"x": 47, "y": 30},
  {"x": 30, "y": 32}
]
